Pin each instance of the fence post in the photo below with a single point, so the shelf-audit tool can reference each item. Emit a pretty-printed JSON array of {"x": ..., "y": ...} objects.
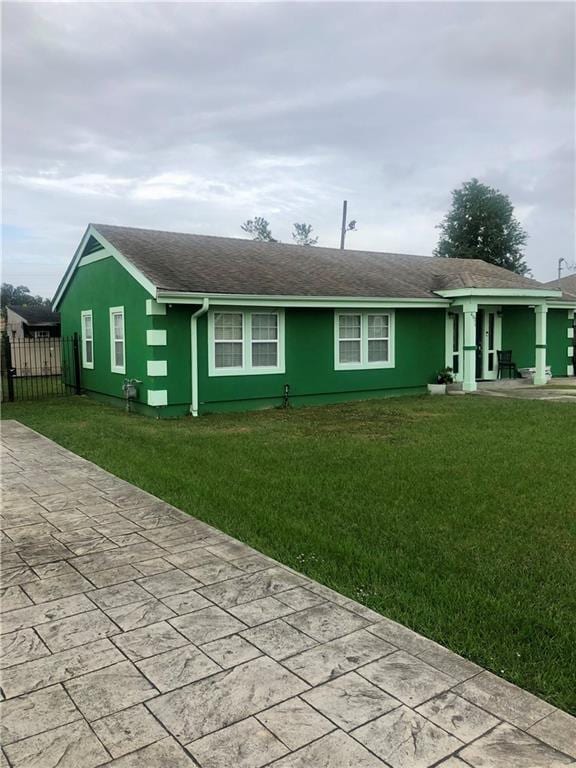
[
  {"x": 8, "y": 367},
  {"x": 76, "y": 350}
]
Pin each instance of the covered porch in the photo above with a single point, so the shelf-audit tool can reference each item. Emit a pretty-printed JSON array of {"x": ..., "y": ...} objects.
[{"x": 533, "y": 328}]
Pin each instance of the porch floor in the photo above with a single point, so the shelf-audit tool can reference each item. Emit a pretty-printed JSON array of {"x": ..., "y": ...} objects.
[{"x": 559, "y": 388}]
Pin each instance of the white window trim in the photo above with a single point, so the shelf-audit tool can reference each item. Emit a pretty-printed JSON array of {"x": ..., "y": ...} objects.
[
  {"x": 113, "y": 367},
  {"x": 364, "y": 364},
  {"x": 87, "y": 313},
  {"x": 247, "y": 368}
]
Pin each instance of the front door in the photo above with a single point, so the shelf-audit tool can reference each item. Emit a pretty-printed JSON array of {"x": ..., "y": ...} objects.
[{"x": 487, "y": 343}]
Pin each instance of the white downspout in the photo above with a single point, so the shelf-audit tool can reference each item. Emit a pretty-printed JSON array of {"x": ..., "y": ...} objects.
[{"x": 194, "y": 356}]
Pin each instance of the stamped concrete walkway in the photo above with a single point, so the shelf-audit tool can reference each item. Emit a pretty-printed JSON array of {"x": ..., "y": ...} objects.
[{"x": 135, "y": 636}]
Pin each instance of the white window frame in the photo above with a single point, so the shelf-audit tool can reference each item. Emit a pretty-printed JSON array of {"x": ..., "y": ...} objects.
[
  {"x": 246, "y": 369},
  {"x": 363, "y": 364},
  {"x": 113, "y": 367},
  {"x": 83, "y": 315}
]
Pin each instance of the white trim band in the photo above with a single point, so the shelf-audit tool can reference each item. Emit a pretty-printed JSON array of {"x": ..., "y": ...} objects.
[
  {"x": 153, "y": 308},
  {"x": 157, "y": 368},
  {"x": 155, "y": 338},
  {"x": 157, "y": 397},
  {"x": 90, "y": 258}
]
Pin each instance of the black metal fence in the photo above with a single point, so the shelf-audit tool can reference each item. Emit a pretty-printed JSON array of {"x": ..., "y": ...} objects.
[{"x": 39, "y": 367}]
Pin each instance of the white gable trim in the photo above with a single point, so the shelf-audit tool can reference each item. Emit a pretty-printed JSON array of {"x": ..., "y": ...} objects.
[
  {"x": 110, "y": 251},
  {"x": 92, "y": 257}
]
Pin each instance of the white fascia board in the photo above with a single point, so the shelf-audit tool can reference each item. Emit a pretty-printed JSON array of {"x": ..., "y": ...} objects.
[
  {"x": 247, "y": 300},
  {"x": 111, "y": 251},
  {"x": 499, "y": 301},
  {"x": 569, "y": 305},
  {"x": 537, "y": 293}
]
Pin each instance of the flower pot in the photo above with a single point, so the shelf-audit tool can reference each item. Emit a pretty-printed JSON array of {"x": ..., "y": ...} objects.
[{"x": 437, "y": 389}]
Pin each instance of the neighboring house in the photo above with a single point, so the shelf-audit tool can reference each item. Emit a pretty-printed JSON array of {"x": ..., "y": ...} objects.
[
  {"x": 31, "y": 322},
  {"x": 211, "y": 324},
  {"x": 565, "y": 284},
  {"x": 35, "y": 344}
]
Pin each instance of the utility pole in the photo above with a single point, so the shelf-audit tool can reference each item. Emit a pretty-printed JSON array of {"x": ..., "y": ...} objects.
[
  {"x": 343, "y": 230},
  {"x": 347, "y": 226},
  {"x": 560, "y": 260}
]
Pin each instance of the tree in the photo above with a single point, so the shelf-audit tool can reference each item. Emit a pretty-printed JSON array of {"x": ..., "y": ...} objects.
[
  {"x": 302, "y": 234},
  {"x": 20, "y": 296},
  {"x": 259, "y": 228},
  {"x": 481, "y": 225}
]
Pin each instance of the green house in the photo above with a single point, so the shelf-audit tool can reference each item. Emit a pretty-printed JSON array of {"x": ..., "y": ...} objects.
[{"x": 204, "y": 324}]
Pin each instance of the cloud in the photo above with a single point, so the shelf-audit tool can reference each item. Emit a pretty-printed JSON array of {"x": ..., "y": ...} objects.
[{"x": 197, "y": 116}]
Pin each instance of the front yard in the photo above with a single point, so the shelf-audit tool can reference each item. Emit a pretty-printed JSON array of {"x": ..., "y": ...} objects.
[{"x": 455, "y": 516}]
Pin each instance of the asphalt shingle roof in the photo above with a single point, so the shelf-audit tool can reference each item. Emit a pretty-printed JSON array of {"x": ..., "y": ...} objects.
[
  {"x": 205, "y": 264},
  {"x": 567, "y": 285}
]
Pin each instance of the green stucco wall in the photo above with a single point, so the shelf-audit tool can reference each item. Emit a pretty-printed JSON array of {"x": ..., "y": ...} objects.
[
  {"x": 104, "y": 284},
  {"x": 309, "y": 344},
  {"x": 558, "y": 323},
  {"x": 519, "y": 335}
]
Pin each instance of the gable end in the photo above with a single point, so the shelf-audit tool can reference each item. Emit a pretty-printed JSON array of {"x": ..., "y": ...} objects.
[{"x": 93, "y": 247}]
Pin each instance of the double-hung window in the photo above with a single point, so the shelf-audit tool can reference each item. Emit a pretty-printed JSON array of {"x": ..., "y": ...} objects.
[
  {"x": 364, "y": 340},
  {"x": 117, "y": 341},
  {"x": 264, "y": 339},
  {"x": 246, "y": 342},
  {"x": 87, "y": 339},
  {"x": 228, "y": 340}
]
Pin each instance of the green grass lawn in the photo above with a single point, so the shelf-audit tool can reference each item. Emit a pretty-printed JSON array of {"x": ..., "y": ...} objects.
[{"x": 455, "y": 515}]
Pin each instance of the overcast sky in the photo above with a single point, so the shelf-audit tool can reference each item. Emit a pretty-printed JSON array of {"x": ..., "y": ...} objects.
[{"x": 195, "y": 117}]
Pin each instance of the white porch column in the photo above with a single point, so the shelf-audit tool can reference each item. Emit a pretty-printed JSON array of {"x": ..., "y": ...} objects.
[
  {"x": 540, "y": 374},
  {"x": 469, "y": 379}
]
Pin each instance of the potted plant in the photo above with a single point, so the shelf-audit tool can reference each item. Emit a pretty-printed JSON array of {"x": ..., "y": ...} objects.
[{"x": 443, "y": 378}]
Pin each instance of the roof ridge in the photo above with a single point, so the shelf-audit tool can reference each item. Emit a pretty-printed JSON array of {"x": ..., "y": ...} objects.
[{"x": 265, "y": 243}]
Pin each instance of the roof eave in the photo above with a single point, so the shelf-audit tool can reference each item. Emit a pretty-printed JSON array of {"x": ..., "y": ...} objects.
[
  {"x": 536, "y": 293},
  {"x": 243, "y": 299}
]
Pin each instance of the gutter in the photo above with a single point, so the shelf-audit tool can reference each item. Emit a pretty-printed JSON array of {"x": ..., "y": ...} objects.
[
  {"x": 332, "y": 302},
  {"x": 194, "y": 350}
]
